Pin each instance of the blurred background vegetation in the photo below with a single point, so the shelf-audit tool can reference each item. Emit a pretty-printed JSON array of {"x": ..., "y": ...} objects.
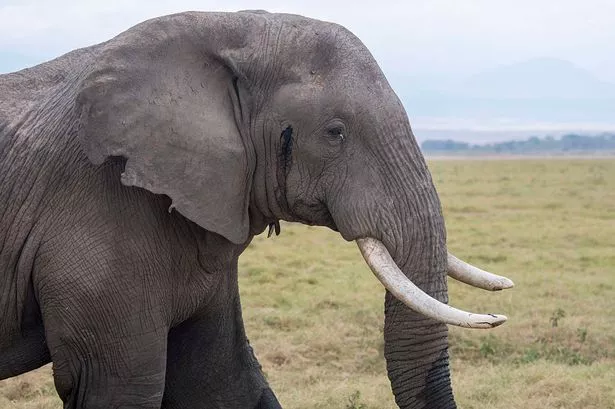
[{"x": 566, "y": 144}]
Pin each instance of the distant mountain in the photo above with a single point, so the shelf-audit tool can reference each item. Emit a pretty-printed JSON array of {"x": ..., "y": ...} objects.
[
  {"x": 538, "y": 90},
  {"x": 537, "y": 79}
]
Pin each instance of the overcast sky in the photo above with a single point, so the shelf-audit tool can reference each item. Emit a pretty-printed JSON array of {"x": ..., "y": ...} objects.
[{"x": 411, "y": 37}]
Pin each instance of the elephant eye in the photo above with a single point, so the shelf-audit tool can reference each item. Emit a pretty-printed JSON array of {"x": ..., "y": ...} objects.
[{"x": 336, "y": 132}]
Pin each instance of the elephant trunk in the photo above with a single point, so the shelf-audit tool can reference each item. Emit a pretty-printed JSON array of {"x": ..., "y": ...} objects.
[
  {"x": 416, "y": 338},
  {"x": 416, "y": 346},
  {"x": 416, "y": 352},
  {"x": 405, "y": 246}
]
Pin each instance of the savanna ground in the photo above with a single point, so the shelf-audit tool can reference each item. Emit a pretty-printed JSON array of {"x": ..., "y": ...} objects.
[{"x": 314, "y": 311}]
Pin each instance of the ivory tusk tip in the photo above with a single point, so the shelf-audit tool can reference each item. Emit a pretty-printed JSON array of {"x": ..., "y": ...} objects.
[
  {"x": 507, "y": 283},
  {"x": 467, "y": 273},
  {"x": 498, "y": 320},
  {"x": 489, "y": 321},
  {"x": 503, "y": 284}
]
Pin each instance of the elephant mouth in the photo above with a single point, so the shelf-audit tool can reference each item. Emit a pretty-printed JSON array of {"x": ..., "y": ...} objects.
[
  {"x": 312, "y": 214},
  {"x": 397, "y": 283}
]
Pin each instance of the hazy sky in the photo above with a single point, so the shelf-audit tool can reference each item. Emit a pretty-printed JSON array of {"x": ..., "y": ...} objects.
[{"x": 411, "y": 37}]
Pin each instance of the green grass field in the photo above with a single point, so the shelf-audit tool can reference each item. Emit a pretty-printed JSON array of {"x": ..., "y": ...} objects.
[{"x": 314, "y": 311}]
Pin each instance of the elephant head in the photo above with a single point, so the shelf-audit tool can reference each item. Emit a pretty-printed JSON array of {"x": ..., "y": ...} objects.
[{"x": 245, "y": 119}]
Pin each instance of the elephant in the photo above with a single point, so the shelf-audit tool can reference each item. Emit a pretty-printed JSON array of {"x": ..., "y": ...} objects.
[{"x": 133, "y": 173}]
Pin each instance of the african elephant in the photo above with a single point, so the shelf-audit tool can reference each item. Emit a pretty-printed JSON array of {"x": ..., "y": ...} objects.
[{"x": 133, "y": 173}]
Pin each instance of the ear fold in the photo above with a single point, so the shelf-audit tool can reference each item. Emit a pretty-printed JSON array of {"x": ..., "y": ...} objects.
[{"x": 156, "y": 99}]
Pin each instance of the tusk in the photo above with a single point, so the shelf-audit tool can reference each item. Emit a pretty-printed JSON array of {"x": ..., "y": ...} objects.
[
  {"x": 467, "y": 273},
  {"x": 384, "y": 268}
]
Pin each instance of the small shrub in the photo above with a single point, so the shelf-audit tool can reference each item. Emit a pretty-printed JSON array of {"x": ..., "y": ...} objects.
[
  {"x": 487, "y": 348},
  {"x": 556, "y": 316},
  {"x": 354, "y": 402},
  {"x": 582, "y": 334}
]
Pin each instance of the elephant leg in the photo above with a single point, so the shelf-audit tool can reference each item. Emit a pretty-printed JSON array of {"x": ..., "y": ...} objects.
[
  {"x": 268, "y": 401},
  {"x": 96, "y": 364},
  {"x": 106, "y": 336},
  {"x": 210, "y": 364},
  {"x": 105, "y": 377},
  {"x": 24, "y": 348},
  {"x": 27, "y": 352}
]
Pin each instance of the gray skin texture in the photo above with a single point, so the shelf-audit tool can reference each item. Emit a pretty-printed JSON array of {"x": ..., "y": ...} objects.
[{"x": 133, "y": 174}]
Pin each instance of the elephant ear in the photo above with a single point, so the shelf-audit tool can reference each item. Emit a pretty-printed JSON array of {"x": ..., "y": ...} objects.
[{"x": 156, "y": 98}]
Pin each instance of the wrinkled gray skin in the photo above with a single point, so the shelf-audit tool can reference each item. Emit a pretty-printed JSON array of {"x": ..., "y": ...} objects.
[{"x": 133, "y": 173}]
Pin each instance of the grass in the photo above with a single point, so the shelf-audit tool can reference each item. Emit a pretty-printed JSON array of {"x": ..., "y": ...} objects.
[{"x": 313, "y": 310}]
